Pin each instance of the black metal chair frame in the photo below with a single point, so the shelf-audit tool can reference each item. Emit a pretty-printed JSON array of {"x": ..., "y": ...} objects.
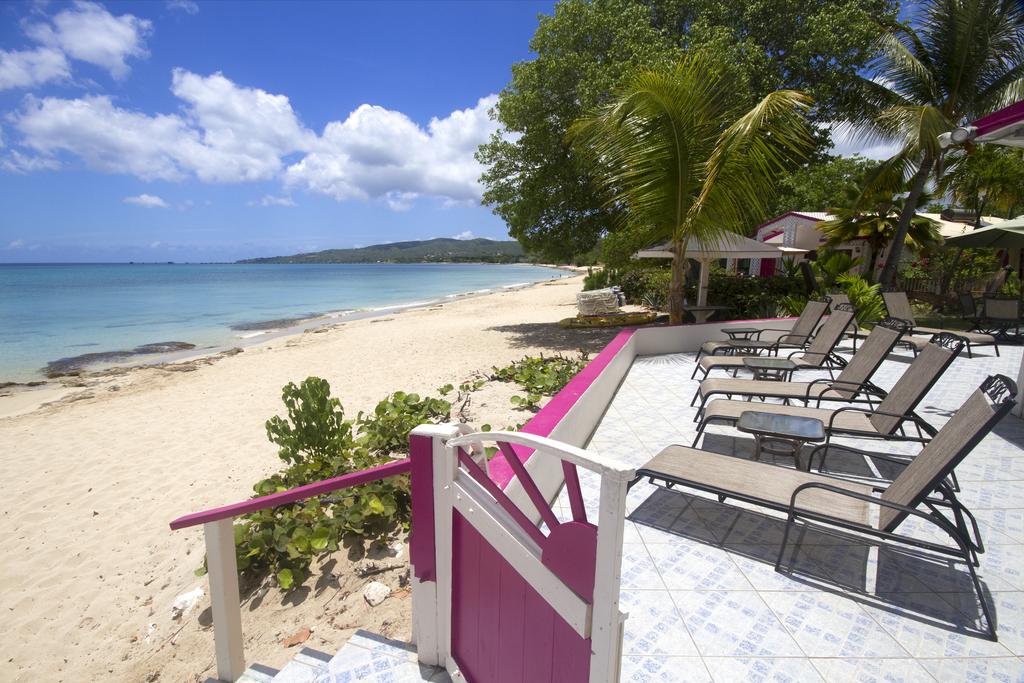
[
  {"x": 788, "y": 340},
  {"x": 1001, "y": 391},
  {"x": 869, "y": 390},
  {"x": 924, "y": 430},
  {"x": 906, "y": 343}
]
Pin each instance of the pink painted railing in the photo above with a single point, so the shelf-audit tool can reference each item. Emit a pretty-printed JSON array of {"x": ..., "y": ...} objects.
[
  {"x": 294, "y": 495},
  {"x": 556, "y": 409},
  {"x": 222, "y": 566}
]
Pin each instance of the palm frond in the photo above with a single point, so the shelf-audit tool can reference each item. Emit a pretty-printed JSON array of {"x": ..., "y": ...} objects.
[{"x": 748, "y": 157}]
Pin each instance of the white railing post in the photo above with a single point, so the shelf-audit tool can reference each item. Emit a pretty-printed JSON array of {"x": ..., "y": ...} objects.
[
  {"x": 222, "y": 570},
  {"x": 606, "y": 633},
  {"x": 430, "y": 616}
]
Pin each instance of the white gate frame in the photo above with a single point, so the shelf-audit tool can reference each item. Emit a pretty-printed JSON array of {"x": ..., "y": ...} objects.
[{"x": 454, "y": 489}]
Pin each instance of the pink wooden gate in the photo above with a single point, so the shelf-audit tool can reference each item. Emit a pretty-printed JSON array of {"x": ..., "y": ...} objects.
[{"x": 497, "y": 598}]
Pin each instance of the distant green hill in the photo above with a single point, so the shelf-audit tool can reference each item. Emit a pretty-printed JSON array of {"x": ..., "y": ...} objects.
[{"x": 441, "y": 249}]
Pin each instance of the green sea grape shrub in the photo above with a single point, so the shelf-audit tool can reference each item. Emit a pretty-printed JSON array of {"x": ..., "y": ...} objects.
[
  {"x": 316, "y": 442},
  {"x": 316, "y": 429},
  {"x": 540, "y": 376},
  {"x": 386, "y": 430}
]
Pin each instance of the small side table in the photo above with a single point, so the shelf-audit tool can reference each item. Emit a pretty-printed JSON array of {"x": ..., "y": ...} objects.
[
  {"x": 743, "y": 333},
  {"x": 701, "y": 314},
  {"x": 780, "y": 434},
  {"x": 770, "y": 369}
]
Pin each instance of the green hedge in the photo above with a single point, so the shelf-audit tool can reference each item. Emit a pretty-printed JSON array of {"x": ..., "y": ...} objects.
[{"x": 746, "y": 297}]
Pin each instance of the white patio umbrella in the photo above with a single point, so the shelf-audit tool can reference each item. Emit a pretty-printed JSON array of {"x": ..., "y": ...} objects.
[{"x": 730, "y": 246}]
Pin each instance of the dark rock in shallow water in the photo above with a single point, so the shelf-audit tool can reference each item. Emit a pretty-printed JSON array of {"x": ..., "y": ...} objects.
[
  {"x": 162, "y": 347},
  {"x": 271, "y": 324},
  {"x": 34, "y": 383},
  {"x": 73, "y": 365}
]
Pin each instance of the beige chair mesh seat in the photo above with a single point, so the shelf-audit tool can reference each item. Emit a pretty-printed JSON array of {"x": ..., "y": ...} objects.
[
  {"x": 819, "y": 354},
  {"x": 854, "y": 381},
  {"x": 797, "y": 337},
  {"x": 898, "y": 306},
  {"x": 855, "y": 506},
  {"x": 882, "y": 421},
  {"x": 747, "y": 479}
]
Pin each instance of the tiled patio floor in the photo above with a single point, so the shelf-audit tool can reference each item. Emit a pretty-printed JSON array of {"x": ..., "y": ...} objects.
[{"x": 703, "y": 599}]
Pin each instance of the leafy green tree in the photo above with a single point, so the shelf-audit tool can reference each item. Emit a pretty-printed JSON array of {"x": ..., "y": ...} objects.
[
  {"x": 991, "y": 179},
  {"x": 872, "y": 215},
  {"x": 961, "y": 59},
  {"x": 816, "y": 46},
  {"x": 584, "y": 52},
  {"x": 684, "y": 161},
  {"x": 533, "y": 180},
  {"x": 818, "y": 185}
]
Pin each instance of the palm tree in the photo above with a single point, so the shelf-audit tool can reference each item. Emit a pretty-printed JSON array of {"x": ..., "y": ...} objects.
[
  {"x": 674, "y": 149},
  {"x": 965, "y": 59},
  {"x": 990, "y": 178},
  {"x": 873, "y": 215}
]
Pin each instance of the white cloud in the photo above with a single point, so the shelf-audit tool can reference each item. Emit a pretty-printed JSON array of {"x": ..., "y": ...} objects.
[
  {"x": 154, "y": 245},
  {"x": 400, "y": 201},
  {"x": 16, "y": 162},
  {"x": 88, "y": 32},
  {"x": 26, "y": 68},
  {"x": 147, "y": 201},
  {"x": 108, "y": 138},
  {"x": 271, "y": 200},
  {"x": 464, "y": 235},
  {"x": 16, "y": 244},
  {"x": 186, "y": 6},
  {"x": 227, "y": 133},
  {"x": 846, "y": 142},
  {"x": 246, "y": 130},
  {"x": 377, "y": 153},
  {"x": 231, "y": 133}
]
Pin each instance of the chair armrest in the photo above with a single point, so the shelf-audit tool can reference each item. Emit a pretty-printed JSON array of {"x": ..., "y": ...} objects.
[
  {"x": 911, "y": 417},
  {"x": 862, "y": 387},
  {"x": 872, "y": 455},
  {"x": 801, "y": 339},
  {"x": 947, "y": 527}
]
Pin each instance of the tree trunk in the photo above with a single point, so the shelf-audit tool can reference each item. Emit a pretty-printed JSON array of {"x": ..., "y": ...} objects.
[
  {"x": 909, "y": 209},
  {"x": 872, "y": 262},
  {"x": 947, "y": 277},
  {"x": 678, "y": 284}
]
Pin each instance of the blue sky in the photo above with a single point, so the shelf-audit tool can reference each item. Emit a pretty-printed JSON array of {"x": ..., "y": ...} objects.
[{"x": 211, "y": 131}]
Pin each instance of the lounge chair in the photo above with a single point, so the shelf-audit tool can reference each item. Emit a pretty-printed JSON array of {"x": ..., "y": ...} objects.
[
  {"x": 882, "y": 422},
  {"x": 1002, "y": 313},
  {"x": 855, "y": 332},
  {"x": 899, "y": 307},
  {"x": 853, "y": 382},
  {"x": 995, "y": 285},
  {"x": 848, "y": 505},
  {"x": 820, "y": 354},
  {"x": 970, "y": 312},
  {"x": 798, "y": 337}
]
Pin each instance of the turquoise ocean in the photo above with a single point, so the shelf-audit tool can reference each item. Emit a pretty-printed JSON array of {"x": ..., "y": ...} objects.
[{"x": 49, "y": 312}]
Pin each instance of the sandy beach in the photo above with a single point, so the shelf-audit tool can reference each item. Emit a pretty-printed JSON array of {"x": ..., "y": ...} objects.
[{"x": 90, "y": 568}]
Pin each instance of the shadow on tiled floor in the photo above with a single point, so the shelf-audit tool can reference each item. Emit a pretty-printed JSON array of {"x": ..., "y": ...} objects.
[{"x": 907, "y": 582}]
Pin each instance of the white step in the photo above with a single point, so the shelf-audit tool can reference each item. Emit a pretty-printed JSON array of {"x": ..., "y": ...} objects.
[{"x": 365, "y": 657}]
